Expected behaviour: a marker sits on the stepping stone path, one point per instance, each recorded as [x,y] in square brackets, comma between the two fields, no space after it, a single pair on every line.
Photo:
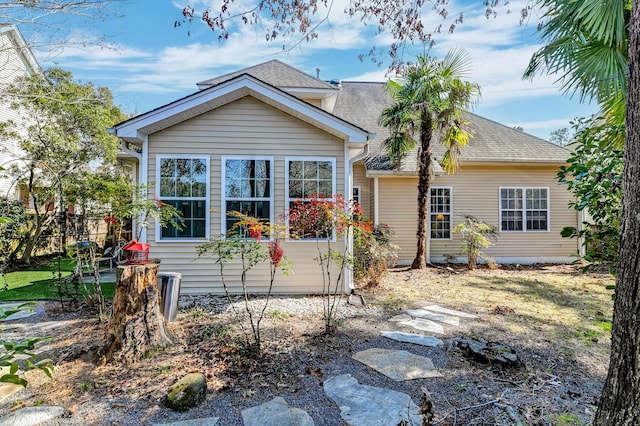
[362,405]
[418,339]
[403,365]
[398,365]
[276,413]
[31,416]
[424,325]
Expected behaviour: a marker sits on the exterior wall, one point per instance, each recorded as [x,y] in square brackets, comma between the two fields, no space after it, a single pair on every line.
[476,192]
[366,189]
[246,127]
[12,66]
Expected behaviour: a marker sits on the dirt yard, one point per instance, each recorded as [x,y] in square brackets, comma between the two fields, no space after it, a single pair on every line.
[557,320]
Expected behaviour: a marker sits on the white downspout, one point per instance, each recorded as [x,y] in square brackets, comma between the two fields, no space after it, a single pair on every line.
[348,185]
[376,205]
[144,177]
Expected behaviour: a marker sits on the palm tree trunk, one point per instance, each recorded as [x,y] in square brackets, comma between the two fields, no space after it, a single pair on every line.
[424,182]
[619,404]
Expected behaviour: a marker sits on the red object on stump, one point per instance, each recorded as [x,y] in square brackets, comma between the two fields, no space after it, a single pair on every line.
[137,253]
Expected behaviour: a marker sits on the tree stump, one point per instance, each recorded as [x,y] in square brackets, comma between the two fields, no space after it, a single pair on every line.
[137,326]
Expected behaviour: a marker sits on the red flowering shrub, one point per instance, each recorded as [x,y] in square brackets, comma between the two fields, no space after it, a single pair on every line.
[321,219]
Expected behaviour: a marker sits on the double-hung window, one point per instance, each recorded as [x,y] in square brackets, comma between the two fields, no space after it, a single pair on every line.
[248,189]
[440,213]
[524,209]
[183,183]
[308,178]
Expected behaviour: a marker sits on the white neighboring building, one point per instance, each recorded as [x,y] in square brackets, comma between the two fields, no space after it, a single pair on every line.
[16,60]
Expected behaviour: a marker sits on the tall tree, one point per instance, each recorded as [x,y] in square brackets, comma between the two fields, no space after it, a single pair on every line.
[429,98]
[55,24]
[61,130]
[595,46]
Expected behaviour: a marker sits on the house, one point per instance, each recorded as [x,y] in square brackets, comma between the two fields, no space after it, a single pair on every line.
[241,140]
[16,60]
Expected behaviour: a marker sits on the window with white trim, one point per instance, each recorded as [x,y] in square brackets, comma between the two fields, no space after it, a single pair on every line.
[183,183]
[307,178]
[248,188]
[524,209]
[356,194]
[440,213]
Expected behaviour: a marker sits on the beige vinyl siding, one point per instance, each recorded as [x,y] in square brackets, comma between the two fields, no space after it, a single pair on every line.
[398,208]
[366,189]
[476,192]
[246,127]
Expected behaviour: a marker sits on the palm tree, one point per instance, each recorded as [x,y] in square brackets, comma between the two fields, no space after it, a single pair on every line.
[429,98]
[587,46]
[594,45]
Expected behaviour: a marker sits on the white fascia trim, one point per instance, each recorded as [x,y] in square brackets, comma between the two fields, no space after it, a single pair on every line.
[22,48]
[223,180]
[132,127]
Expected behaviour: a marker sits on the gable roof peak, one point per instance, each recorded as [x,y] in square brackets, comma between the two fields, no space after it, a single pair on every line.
[276,73]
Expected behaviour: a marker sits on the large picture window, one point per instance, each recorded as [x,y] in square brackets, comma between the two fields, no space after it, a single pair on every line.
[248,189]
[524,209]
[183,182]
[308,178]
[440,213]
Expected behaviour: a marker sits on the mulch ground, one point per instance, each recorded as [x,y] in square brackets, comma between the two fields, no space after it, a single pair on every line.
[558,380]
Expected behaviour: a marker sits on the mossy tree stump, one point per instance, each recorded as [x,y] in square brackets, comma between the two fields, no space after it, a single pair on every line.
[137,326]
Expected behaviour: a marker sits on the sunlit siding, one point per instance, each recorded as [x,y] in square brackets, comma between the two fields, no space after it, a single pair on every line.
[251,128]
[12,66]
[366,186]
[398,209]
[476,192]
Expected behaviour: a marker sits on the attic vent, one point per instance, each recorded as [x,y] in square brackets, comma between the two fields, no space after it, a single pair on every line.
[336,83]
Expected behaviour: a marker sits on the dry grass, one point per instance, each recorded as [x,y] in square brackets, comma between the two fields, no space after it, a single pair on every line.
[568,309]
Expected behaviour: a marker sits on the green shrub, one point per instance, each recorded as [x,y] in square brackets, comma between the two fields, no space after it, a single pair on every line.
[373,251]
[476,235]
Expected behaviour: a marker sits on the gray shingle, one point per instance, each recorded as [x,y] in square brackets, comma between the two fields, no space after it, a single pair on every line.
[275,73]
[362,103]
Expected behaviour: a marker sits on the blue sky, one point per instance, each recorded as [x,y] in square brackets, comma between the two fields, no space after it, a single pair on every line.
[151,63]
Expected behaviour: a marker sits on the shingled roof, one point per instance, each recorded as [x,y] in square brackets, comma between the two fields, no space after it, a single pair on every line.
[275,73]
[362,103]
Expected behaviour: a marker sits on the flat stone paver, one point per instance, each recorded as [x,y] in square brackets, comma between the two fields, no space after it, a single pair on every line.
[418,339]
[424,325]
[400,318]
[363,405]
[398,365]
[440,309]
[209,421]
[276,413]
[31,416]
[434,316]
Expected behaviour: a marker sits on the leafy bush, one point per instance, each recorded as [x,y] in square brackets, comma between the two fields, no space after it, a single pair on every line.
[374,252]
[321,219]
[476,235]
[243,243]
[594,176]
[13,350]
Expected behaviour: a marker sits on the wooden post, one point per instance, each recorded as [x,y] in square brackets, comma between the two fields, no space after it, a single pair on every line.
[136,326]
